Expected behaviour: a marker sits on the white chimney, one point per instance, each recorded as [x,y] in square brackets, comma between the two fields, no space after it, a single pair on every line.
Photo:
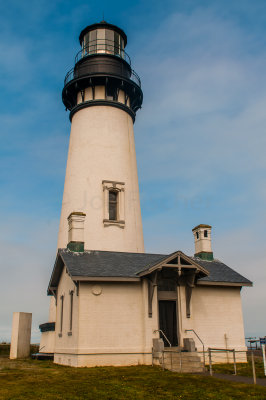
[76,231]
[203,243]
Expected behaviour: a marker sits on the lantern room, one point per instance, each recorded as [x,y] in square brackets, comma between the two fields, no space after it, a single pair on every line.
[103,38]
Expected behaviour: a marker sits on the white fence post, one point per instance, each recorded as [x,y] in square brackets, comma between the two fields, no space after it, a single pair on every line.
[264,357]
[210,360]
[253,368]
[234,356]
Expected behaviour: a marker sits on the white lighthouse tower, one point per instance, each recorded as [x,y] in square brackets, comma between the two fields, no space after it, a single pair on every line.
[103,94]
[101,206]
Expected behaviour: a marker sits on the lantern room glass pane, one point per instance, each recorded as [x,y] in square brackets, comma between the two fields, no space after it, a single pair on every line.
[109,41]
[100,40]
[91,46]
[116,43]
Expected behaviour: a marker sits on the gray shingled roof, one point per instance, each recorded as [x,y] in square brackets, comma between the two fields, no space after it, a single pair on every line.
[219,272]
[108,263]
[129,265]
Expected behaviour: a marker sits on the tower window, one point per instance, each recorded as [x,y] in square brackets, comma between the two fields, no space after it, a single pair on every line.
[205,233]
[197,235]
[113,203]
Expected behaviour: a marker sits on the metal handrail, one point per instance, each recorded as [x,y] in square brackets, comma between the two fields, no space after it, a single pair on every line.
[71,75]
[159,330]
[102,46]
[192,330]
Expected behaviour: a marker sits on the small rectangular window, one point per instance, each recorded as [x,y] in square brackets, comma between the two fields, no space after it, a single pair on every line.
[110,93]
[71,310]
[205,233]
[61,314]
[113,197]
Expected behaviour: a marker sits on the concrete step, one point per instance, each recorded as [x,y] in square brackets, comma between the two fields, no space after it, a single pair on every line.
[182,362]
[177,365]
[185,370]
[177,357]
[185,362]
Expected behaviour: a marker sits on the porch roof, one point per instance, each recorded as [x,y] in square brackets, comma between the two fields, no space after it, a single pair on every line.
[111,265]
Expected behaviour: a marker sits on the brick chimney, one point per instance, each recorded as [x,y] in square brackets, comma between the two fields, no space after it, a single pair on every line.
[76,231]
[203,244]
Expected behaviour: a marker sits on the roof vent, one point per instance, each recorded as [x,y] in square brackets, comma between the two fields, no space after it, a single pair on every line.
[203,243]
[76,231]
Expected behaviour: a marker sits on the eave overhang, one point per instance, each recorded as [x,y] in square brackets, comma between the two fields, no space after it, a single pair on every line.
[216,283]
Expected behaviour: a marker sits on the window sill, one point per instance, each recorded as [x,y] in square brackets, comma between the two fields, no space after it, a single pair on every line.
[109,222]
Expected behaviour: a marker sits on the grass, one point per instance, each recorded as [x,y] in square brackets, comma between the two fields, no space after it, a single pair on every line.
[32,379]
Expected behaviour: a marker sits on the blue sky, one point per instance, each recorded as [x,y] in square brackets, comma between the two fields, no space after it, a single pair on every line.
[200,136]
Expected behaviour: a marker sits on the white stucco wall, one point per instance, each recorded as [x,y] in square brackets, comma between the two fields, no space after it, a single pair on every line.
[67,343]
[114,327]
[216,311]
[101,148]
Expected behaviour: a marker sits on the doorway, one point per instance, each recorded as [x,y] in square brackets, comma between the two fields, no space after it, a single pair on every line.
[168,321]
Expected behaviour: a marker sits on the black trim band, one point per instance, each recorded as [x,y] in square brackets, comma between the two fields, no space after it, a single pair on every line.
[111,103]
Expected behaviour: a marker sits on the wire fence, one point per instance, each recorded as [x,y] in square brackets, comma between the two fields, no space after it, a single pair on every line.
[247,363]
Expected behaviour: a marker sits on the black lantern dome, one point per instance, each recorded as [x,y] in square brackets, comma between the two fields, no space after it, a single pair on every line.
[102,61]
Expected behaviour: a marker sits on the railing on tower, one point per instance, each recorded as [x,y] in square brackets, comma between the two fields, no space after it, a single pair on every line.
[71,75]
[102,46]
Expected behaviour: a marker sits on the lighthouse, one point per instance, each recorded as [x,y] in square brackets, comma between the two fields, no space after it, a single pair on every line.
[103,93]
[112,303]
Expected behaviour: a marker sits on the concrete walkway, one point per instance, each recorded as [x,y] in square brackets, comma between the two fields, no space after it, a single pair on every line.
[238,378]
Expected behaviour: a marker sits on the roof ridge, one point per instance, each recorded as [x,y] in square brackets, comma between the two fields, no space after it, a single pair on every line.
[113,251]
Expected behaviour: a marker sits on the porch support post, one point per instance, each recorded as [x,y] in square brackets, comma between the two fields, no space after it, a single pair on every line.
[190,280]
[152,282]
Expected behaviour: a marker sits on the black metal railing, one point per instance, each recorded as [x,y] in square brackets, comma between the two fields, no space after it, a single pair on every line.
[71,75]
[102,46]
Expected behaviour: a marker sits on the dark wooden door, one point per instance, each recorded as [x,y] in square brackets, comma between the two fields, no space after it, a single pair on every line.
[168,322]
